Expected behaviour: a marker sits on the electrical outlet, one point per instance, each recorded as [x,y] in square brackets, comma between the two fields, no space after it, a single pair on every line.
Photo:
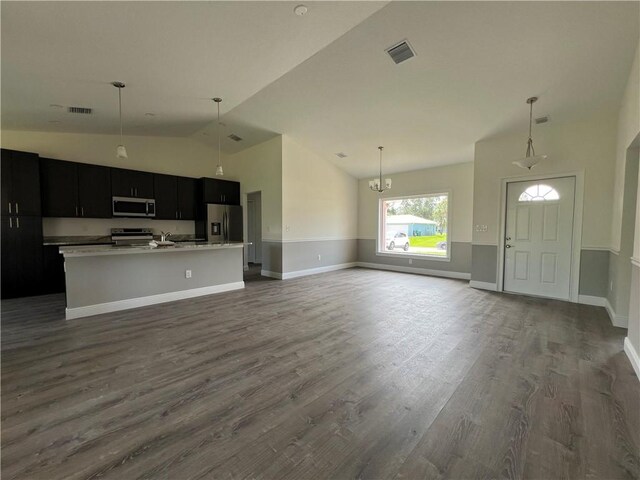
[288,228]
[187,274]
[319,258]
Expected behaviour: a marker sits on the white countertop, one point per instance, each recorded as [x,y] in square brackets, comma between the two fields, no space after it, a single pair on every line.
[96,250]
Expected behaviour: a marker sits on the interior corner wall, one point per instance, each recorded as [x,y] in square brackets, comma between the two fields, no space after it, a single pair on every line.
[586,146]
[319,212]
[171,155]
[259,169]
[456,179]
[628,140]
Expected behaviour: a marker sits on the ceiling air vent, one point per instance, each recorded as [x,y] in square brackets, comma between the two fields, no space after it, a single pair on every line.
[82,110]
[401,52]
[540,120]
[235,137]
[341,155]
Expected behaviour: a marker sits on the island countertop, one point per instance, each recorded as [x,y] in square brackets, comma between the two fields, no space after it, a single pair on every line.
[99,250]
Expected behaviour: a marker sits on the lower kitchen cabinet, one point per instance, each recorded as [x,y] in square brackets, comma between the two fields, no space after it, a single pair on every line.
[21,256]
[53,280]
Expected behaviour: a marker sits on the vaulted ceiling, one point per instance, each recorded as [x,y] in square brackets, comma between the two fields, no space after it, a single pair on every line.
[323,78]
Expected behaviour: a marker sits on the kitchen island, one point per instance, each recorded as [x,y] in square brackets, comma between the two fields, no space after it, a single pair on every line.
[107,278]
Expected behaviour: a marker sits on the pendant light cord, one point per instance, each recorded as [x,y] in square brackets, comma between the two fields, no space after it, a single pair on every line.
[380,180]
[218,103]
[530,149]
[120,110]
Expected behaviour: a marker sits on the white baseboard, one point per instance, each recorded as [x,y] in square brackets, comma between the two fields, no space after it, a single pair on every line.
[313,271]
[483,285]
[592,300]
[267,273]
[616,320]
[78,312]
[632,353]
[419,271]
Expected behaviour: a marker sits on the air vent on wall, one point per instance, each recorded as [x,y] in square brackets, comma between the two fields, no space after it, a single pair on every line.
[401,52]
[540,120]
[341,155]
[82,110]
[235,137]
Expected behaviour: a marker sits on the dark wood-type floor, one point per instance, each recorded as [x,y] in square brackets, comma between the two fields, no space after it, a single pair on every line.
[350,374]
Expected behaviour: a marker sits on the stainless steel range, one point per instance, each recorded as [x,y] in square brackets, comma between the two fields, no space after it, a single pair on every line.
[131,236]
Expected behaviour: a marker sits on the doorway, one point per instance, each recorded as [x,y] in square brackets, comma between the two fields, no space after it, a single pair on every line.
[254,228]
[539,237]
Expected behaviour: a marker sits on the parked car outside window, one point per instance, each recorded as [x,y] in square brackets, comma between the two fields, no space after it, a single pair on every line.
[397,240]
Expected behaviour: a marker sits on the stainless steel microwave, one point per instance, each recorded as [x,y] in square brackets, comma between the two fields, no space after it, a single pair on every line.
[134,207]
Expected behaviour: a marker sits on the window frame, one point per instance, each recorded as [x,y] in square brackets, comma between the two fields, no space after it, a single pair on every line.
[400,254]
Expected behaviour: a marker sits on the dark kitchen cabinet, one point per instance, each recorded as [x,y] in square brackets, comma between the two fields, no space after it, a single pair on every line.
[75,189]
[94,191]
[131,183]
[59,188]
[21,256]
[20,172]
[187,198]
[224,192]
[53,279]
[166,194]
[175,197]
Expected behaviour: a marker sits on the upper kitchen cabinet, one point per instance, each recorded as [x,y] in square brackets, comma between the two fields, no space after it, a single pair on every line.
[131,183]
[166,196]
[187,198]
[175,197]
[224,192]
[75,189]
[94,191]
[20,172]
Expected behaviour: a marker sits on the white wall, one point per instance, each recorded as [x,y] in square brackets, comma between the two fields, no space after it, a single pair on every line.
[171,155]
[587,146]
[628,128]
[458,179]
[259,169]
[319,200]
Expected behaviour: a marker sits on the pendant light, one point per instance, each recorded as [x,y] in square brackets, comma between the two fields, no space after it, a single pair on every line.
[121,151]
[376,184]
[530,159]
[219,171]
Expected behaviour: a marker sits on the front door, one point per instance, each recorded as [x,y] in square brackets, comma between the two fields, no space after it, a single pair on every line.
[539,236]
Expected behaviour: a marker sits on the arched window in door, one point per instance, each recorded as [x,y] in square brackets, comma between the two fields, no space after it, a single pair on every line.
[539,193]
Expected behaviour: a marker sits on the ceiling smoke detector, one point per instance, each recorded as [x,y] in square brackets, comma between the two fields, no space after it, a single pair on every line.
[341,155]
[401,52]
[300,10]
[235,137]
[540,120]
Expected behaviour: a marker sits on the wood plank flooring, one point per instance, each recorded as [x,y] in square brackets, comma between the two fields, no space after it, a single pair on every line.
[351,374]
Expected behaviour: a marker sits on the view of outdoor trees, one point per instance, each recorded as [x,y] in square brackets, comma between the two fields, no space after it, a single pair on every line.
[432,208]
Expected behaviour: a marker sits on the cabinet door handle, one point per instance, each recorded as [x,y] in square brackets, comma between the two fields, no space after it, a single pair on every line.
[10,222]
[176,214]
[17,222]
[136,191]
[131,191]
[17,210]
[82,211]
[180,215]
[9,207]
[76,210]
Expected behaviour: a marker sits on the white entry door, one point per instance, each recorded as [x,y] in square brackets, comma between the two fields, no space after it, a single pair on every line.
[539,237]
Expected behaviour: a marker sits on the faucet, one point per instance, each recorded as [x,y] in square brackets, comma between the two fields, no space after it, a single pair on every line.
[164,236]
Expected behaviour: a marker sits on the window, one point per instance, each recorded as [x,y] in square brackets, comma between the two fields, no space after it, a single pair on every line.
[539,193]
[415,226]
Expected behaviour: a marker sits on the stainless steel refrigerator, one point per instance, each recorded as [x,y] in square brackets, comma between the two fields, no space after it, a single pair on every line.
[224,223]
